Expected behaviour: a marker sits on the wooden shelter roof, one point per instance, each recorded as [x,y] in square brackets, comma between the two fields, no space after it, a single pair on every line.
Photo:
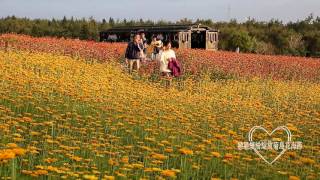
[158,28]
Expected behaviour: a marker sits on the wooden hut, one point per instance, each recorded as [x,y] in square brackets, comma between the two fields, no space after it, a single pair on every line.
[182,36]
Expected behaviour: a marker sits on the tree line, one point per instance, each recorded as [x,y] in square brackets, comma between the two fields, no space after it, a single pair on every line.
[300,38]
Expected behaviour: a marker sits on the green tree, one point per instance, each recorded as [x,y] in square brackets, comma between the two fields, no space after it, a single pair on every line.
[243,40]
[111,22]
[84,31]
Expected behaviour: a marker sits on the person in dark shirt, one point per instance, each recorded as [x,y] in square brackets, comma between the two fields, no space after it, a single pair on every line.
[133,53]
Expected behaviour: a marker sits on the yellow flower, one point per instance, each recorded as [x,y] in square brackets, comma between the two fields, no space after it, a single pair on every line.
[41,172]
[307,161]
[197,167]
[76,158]
[26,172]
[136,165]
[156,169]
[120,174]
[168,150]
[33,133]
[109,177]
[282,172]
[12,145]
[216,154]
[90,177]
[50,160]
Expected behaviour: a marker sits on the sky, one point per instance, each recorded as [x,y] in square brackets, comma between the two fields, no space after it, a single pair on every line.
[222,10]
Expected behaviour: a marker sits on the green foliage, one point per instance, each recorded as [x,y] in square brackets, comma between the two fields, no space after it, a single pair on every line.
[243,40]
[301,38]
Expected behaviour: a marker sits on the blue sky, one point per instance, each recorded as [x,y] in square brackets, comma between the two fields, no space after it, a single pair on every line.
[285,10]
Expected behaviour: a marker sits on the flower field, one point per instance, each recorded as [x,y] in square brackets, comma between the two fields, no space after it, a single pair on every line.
[64,117]
[219,65]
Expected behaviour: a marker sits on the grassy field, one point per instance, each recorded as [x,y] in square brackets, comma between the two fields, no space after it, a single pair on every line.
[62,117]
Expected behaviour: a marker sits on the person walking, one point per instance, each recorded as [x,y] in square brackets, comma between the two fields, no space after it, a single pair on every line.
[166,55]
[133,53]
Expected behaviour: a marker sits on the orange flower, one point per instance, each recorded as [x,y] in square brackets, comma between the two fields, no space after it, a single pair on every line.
[41,172]
[7,154]
[125,159]
[19,151]
[186,151]
[228,156]
[168,173]
[159,156]
[294,178]
[168,150]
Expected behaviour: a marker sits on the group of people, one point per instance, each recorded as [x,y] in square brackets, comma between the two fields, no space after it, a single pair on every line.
[136,53]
